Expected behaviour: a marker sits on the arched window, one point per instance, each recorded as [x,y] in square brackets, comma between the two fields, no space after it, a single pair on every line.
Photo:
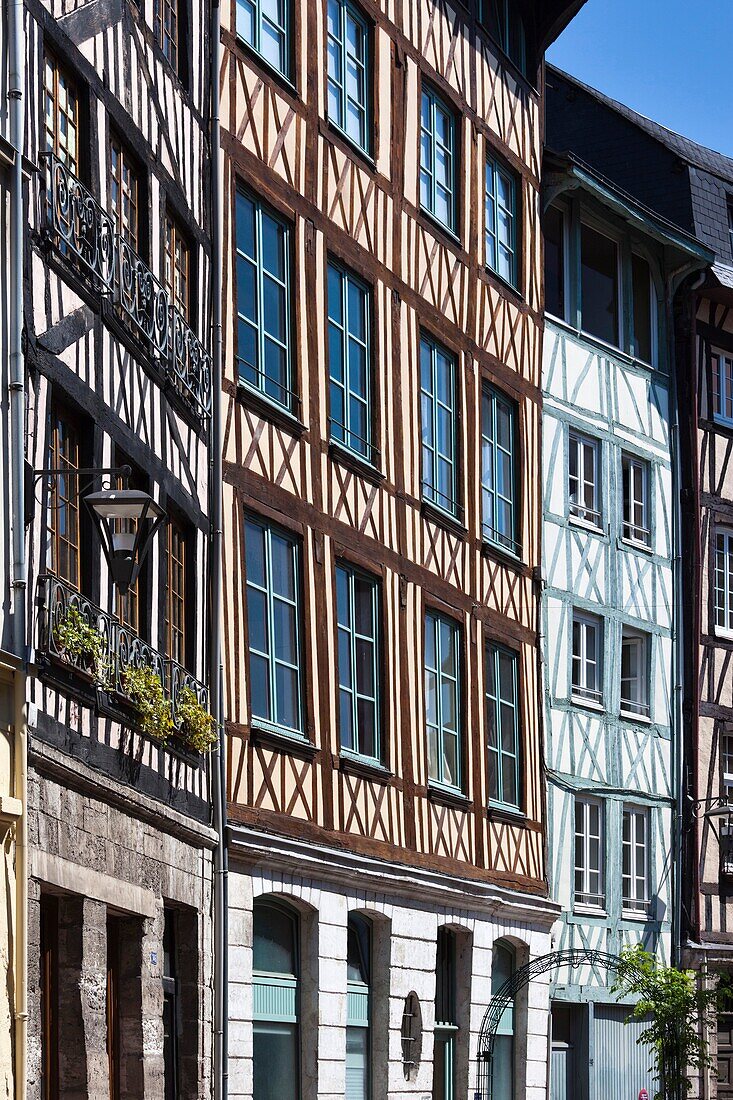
[276,1028]
[359,1008]
[446,1018]
[502,967]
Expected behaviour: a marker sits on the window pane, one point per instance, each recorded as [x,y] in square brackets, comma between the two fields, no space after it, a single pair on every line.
[357,1063]
[554,262]
[274,940]
[275,1056]
[642,294]
[599,285]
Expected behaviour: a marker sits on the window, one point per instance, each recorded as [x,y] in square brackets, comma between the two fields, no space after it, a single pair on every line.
[587,662]
[635,477]
[167,30]
[446,1018]
[178,267]
[635,673]
[599,291]
[438,159]
[357,607]
[502,709]
[61,113]
[175,592]
[276,1027]
[264,25]
[170,1008]
[348,71]
[722,387]
[589,855]
[726,766]
[49,1007]
[349,308]
[63,504]
[263,301]
[503,965]
[273,614]
[442,700]
[644,309]
[498,474]
[359,1008]
[635,860]
[724,580]
[438,401]
[554,234]
[584,478]
[127,606]
[501,222]
[730,225]
[124,190]
[504,24]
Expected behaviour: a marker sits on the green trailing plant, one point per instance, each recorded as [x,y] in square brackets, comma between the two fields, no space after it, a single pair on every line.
[197,728]
[81,642]
[679,1009]
[144,689]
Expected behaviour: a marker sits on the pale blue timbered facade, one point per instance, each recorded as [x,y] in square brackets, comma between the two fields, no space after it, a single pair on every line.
[609,537]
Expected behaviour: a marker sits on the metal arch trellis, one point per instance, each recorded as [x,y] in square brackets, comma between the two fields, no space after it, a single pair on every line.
[501,1000]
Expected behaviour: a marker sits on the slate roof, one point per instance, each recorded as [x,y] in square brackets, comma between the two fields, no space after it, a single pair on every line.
[686,183]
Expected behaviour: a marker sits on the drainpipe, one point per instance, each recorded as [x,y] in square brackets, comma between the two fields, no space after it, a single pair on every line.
[16,89]
[219,785]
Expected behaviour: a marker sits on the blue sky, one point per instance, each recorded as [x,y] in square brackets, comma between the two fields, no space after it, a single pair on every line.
[668,59]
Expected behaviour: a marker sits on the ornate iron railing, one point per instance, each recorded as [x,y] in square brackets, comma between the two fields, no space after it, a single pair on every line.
[84,235]
[121,647]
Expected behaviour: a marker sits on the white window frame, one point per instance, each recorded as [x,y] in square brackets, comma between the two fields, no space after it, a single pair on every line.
[588,830]
[635,838]
[579,443]
[724,385]
[639,534]
[639,642]
[723,581]
[583,691]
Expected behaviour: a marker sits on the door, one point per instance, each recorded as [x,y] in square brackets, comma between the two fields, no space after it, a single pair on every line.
[622,1067]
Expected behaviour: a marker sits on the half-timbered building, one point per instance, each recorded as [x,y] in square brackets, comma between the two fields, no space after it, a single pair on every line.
[116,396]
[382,406]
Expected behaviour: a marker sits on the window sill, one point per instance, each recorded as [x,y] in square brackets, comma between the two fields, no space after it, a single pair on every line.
[631,716]
[435,513]
[636,914]
[355,462]
[722,633]
[590,910]
[262,405]
[331,130]
[586,525]
[587,704]
[363,766]
[632,544]
[511,815]
[495,549]
[448,796]
[281,740]
[434,223]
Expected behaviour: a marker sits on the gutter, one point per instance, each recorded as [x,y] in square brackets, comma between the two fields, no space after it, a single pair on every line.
[219,780]
[16,401]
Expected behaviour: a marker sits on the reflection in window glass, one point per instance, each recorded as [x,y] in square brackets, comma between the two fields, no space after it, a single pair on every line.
[641,280]
[554,234]
[599,285]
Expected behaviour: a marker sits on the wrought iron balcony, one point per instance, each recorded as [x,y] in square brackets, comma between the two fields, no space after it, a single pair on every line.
[119,647]
[85,235]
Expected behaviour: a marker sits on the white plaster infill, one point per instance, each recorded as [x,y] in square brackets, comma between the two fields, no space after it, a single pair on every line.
[76,879]
[358,872]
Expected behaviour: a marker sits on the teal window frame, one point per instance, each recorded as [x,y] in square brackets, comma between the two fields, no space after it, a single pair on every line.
[438,392]
[438,177]
[358,643]
[497,706]
[276,997]
[346,347]
[359,1001]
[441,683]
[271,18]
[446,1017]
[502,222]
[348,71]
[499,488]
[272,601]
[264,302]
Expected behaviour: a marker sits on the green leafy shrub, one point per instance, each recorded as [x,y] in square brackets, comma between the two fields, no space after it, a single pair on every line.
[83,643]
[197,728]
[144,689]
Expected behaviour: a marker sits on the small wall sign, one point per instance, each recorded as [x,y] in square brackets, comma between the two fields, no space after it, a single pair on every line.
[643,1094]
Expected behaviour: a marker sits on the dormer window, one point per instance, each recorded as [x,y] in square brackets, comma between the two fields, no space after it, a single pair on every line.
[504,23]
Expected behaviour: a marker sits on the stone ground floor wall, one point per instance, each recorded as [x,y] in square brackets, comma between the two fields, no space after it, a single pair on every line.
[108,857]
[406,913]
[714,1082]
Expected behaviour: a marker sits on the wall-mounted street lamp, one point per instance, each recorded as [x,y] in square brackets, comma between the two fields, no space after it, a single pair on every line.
[126,521]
